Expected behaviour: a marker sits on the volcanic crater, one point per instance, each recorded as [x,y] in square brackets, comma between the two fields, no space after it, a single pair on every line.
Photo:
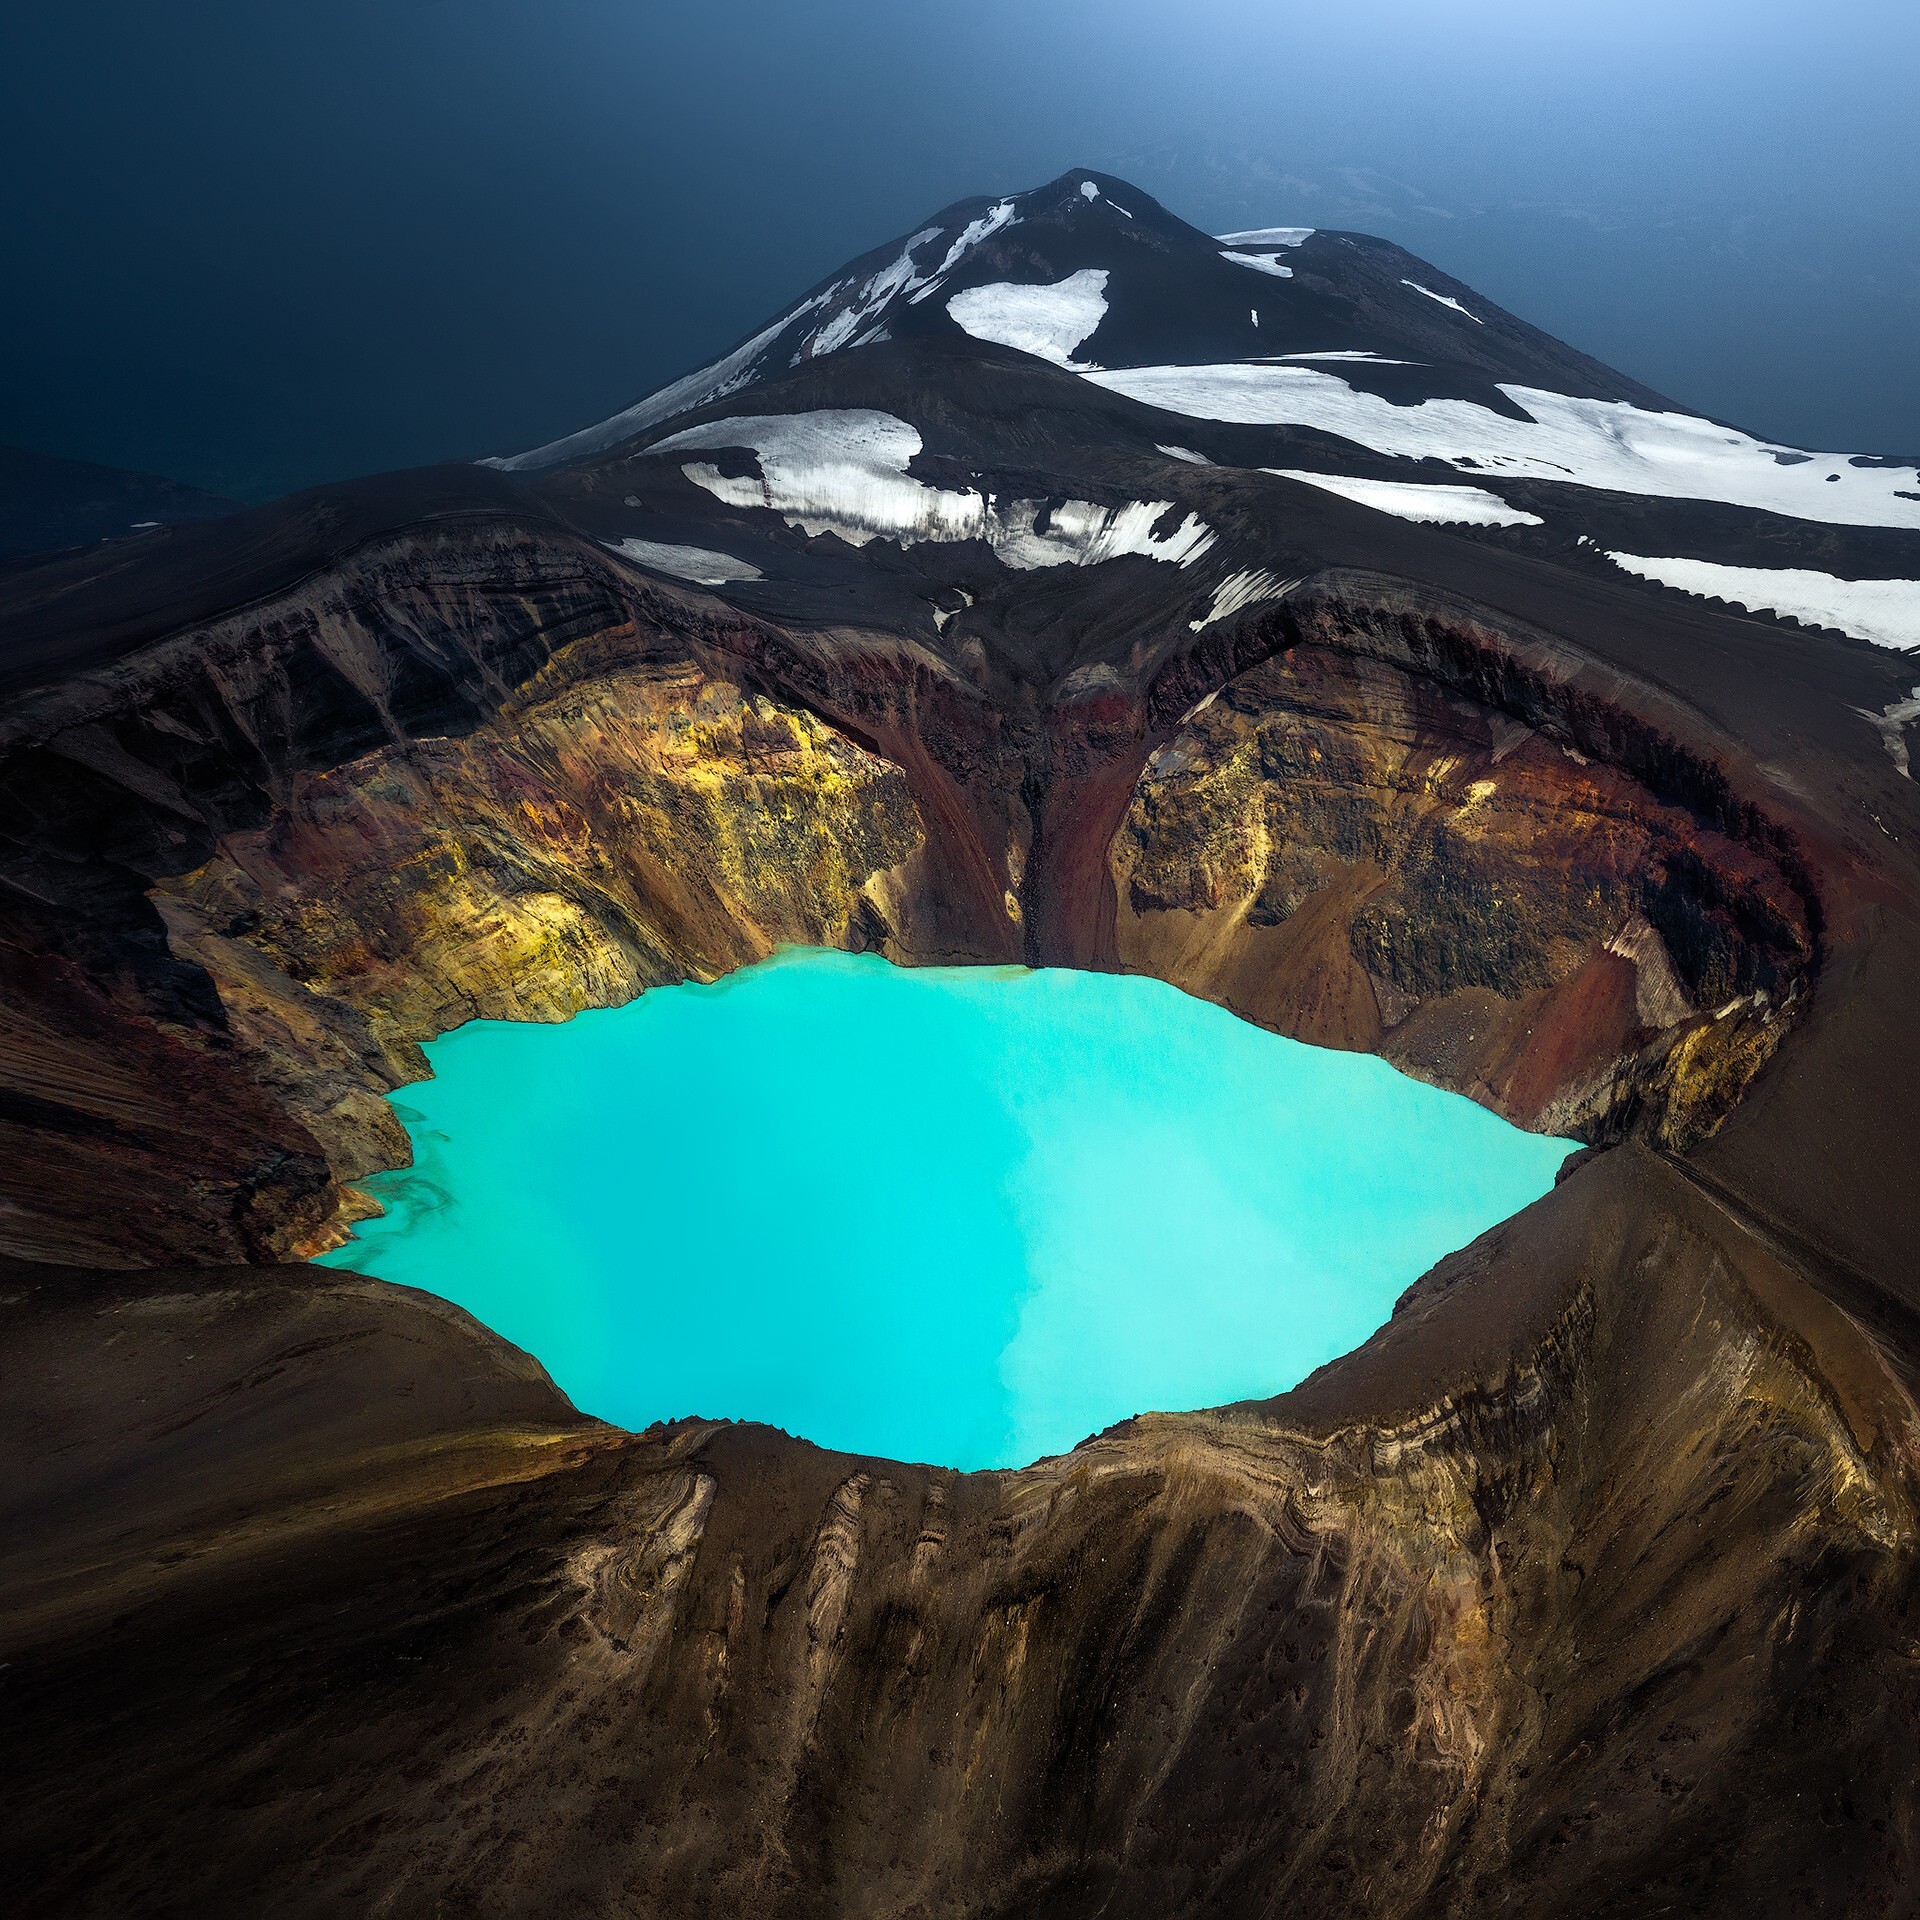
[1587,1584]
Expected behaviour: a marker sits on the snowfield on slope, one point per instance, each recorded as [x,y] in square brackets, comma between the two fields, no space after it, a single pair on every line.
[1047,321]
[1887,612]
[1409,500]
[1445,299]
[1266,237]
[1259,262]
[1609,444]
[861,316]
[1244,589]
[844,471]
[726,375]
[701,565]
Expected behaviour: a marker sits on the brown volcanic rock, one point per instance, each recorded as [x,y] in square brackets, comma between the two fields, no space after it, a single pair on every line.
[1341,849]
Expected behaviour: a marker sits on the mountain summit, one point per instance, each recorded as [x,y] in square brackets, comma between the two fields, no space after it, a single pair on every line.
[1040,375]
[1089,271]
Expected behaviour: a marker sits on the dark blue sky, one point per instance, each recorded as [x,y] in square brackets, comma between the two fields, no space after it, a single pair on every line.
[261,243]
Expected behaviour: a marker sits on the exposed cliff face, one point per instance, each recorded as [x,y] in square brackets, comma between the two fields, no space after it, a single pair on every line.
[254,870]
[608,831]
[1353,853]
[1336,844]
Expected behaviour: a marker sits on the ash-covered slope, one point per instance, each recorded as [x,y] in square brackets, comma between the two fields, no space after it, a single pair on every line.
[1091,270]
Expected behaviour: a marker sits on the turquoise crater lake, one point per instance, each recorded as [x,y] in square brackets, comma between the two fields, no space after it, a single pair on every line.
[963,1215]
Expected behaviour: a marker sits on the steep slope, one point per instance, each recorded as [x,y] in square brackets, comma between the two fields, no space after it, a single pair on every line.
[1336,361]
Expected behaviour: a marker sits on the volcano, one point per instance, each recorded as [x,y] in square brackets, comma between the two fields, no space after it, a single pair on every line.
[1266,612]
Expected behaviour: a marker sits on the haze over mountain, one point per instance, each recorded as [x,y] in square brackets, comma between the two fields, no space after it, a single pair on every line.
[47,503]
[257,248]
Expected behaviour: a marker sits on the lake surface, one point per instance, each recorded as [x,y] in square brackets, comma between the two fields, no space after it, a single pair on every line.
[963,1215]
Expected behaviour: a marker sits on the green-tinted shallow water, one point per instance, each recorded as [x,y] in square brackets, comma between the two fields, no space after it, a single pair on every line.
[960,1215]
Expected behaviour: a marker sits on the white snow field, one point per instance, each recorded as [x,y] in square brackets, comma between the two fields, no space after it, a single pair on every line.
[901,276]
[1259,262]
[1048,321]
[1243,589]
[1000,214]
[1360,354]
[701,565]
[1587,443]
[1445,299]
[1409,500]
[1089,190]
[1266,237]
[1887,612]
[844,471]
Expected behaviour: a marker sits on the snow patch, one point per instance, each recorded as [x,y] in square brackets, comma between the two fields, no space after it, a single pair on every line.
[1001,214]
[1891,724]
[1266,237]
[1187,454]
[1410,500]
[1048,322]
[1887,612]
[901,276]
[1445,299]
[1260,263]
[699,564]
[1081,534]
[1088,191]
[1239,590]
[1588,443]
[844,471]
[1352,354]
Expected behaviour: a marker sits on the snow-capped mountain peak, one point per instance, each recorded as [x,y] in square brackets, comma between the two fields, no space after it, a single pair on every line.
[1090,270]
[1329,363]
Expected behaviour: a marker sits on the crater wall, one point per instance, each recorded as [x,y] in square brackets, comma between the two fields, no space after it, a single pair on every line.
[254,867]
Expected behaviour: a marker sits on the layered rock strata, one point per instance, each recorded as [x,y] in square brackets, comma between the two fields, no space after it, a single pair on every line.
[1346,849]
[261,863]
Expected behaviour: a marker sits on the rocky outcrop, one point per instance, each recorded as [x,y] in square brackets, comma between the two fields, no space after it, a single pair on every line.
[1346,850]
[609,830]
[254,868]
